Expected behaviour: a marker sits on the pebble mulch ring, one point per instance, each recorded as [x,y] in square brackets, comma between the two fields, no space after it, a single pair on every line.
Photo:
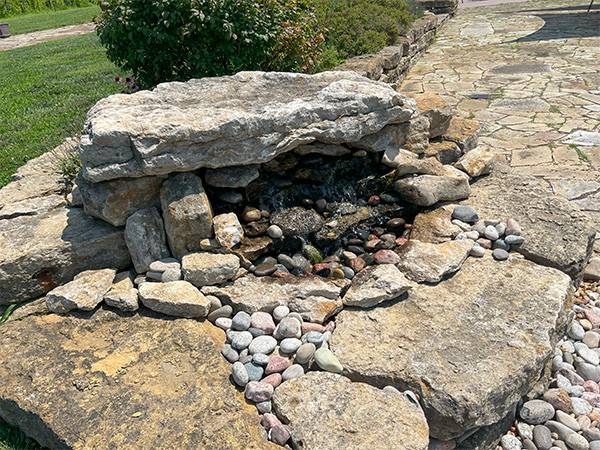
[567,416]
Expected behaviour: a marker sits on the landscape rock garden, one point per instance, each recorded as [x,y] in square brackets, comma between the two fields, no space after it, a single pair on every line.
[342,257]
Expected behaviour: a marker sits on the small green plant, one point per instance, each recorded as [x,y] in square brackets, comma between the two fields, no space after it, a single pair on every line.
[573,145]
[582,155]
[471,116]
[70,166]
[554,109]
[7,313]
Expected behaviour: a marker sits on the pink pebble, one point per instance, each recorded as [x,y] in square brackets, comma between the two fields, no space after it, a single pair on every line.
[262,321]
[485,243]
[280,434]
[386,257]
[276,364]
[584,422]
[591,398]
[258,392]
[274,379]
[330,326]
[401,241]
[591,386]
[592,317]
[269,421]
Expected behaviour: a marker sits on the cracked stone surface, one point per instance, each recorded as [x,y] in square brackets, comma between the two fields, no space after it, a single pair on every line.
[528,73]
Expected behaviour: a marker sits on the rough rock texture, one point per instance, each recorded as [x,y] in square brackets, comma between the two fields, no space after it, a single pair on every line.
[187,213]
[476,162]
[435,108]
[185,126]
[228,230]
[556,233]
[426,190]
[175,298]
[114,201]
[40,252]
[205,269]
[463,132]
[145,238]
[435,225]
[425,262]
[122,294]
[376,284]
[231,177]
[406,162]
[327,411]
[445,152]
[315,299]
[94,381]
[85,292]
[491,354]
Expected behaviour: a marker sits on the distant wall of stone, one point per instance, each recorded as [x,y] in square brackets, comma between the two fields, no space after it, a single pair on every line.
[391,64]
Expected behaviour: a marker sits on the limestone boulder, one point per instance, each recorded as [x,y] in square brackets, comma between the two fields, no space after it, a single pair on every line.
[187,213]
[556,233]
[114,201]
[434,225]
[406,162]
[412,135]
[429,263]
[476,162]
[181,127]
[174,298]
[145,238]
[498,323]
[207,269]
[85,292]
[435,108]
[376,284]
[426,190]
[231,177]
[322,149]
[36,206]
[313,298]
[328,411]
[445,152]
[122,294]
[97,381]
[463,132]
[42,251]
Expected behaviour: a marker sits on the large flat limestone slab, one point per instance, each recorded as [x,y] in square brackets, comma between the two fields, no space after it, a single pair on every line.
[327,411]
[99,381]
[470,346]
[244,119]
[557,234]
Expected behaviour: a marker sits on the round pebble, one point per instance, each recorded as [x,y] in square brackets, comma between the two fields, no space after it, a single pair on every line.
[478,251]
[290,345]
[577,442]
[514,240]
[576,331]
[286,261]
[288,327]
[223,322]
[491,233]
[264,270]
[509,442]
[229,353]
[241,321]
[259,392]
[263,321]
[256,332]
[386,257]
[242,340]
[465,214]
[305,352]
[262,344]
[501,229]
[239,374]
[327,360]
[501,244]
[280,312]
[224,311]
[349,273]
[255,372]
[313,337]
[260,358]
[294,371]
[264,407]
[536,412]
[277,364]
[280,434]
[396,224]
[274,232]
[542,437]
[274,379]
[500,255]
[338,274]
[525,431]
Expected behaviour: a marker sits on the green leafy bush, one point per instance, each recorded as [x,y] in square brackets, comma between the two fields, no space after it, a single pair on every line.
[175,40]
[357,27]
[17,7]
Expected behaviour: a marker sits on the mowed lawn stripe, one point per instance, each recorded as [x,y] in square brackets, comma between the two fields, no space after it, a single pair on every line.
[51,19]
[46,91]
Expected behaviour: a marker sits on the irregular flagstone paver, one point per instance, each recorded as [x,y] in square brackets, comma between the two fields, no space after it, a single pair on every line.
[491,352]
[93,381]
[327,411]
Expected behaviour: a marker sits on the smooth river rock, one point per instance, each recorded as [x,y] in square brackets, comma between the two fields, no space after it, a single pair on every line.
[556,233]
[98,381]
[313,298]
[248,118]
[466,345]
[327,411]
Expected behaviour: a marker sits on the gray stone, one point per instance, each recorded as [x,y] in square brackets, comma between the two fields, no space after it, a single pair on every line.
[377,420]
[476,356]
[85,292]
[241,321]
[376,284]
[297,221]
[294,371]
[576,331]
[186,212]
[115,200]
[592,270]
[291,108]
[425,262]
[465,214]
[514,240]
[262,344]
[542,437]
[327,360]
[313,298]
[223,311]
[406,162]
[42,251]
[426,190]
[206,269]
[561,430]
[260,358]
[580,137]
[565,244]
[588,371]
[239,374]
[509,442]
[290,345]
[533,104]
[537,412]
[177,298]
[241,340]
[255,372]
[322,149]
[122,294]
[500,254]
[305,353]
[524,431]
[229,353]
[231,177]
[276,233]
[145,238]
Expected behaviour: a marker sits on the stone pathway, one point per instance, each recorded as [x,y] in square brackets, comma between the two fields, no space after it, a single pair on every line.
[27,39]
[529,73]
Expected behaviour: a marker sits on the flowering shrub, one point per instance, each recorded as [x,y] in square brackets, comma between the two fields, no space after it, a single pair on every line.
[129,85]
[175,40]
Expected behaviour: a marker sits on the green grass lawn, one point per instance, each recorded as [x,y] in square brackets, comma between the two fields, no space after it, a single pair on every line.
[49,20]
[45,92]
[12,439]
